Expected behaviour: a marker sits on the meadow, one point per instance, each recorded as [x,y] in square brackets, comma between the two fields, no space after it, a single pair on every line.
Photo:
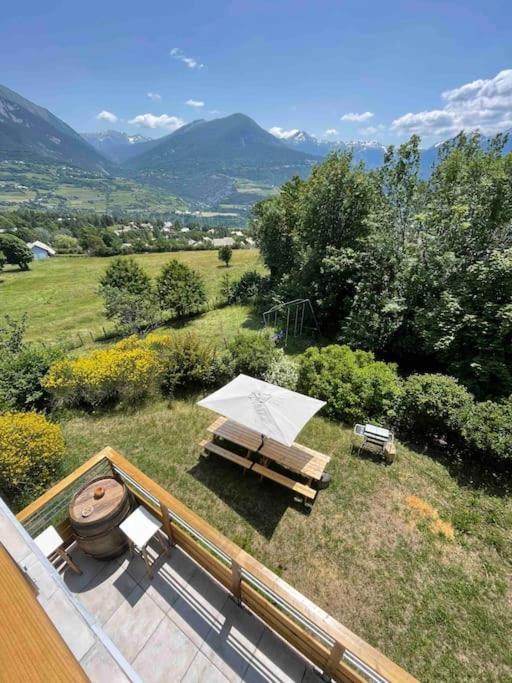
[61,299]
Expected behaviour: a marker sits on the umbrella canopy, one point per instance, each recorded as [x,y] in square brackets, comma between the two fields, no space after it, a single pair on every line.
[265,408]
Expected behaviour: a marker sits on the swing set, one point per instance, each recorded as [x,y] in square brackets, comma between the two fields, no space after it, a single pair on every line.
[293,316]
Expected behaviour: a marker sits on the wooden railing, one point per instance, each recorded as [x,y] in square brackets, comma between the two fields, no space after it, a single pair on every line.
[332,647]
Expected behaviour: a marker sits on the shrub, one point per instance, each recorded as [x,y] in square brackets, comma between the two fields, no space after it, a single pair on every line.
[225,254]
[434,406]
[132,312]
[22,367]
[488,430]
[187,361]
[15,251]
[355,386]
[250,353]
[248,288]
[283,371]
[31,449]
[21,376]
[65,244]
[115,374]
[180,289]
[126,274]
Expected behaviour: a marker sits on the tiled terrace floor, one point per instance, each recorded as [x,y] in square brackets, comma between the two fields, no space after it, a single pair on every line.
[182,625]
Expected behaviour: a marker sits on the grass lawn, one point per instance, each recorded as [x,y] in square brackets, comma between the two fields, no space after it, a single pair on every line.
[61,297]
[415,557]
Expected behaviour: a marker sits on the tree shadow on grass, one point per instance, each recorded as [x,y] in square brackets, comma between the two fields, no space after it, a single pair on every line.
[491,478]
[261,504]
[254,320]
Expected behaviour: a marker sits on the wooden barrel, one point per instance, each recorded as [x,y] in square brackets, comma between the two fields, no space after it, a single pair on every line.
[95,513]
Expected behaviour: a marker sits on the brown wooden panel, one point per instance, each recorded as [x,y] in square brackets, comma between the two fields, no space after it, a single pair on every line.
[31,649]
[284,481]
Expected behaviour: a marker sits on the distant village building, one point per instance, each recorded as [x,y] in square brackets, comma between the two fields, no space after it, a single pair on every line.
[185,230]
[223,242]
[40,250]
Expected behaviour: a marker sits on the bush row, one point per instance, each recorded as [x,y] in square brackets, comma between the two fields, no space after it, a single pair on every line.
[355,386]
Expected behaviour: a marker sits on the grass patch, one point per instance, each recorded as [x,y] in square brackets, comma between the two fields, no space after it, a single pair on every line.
[60,295]
[440,607]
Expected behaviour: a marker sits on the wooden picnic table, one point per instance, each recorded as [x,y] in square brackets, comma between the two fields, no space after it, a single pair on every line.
[304,461]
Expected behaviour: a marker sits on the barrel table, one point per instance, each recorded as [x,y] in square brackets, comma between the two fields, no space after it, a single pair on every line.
[95,513]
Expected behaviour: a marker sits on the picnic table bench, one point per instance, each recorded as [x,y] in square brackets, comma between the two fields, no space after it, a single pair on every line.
[299,459]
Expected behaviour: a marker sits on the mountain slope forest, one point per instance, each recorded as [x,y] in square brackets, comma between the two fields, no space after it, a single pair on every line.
[417,271]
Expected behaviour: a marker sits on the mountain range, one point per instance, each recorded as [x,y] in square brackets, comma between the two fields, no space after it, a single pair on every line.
[30,133]
[226,163]
[116,146]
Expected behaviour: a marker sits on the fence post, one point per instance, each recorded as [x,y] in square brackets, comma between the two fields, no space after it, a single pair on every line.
[236,581]
[167,524]
[333,660]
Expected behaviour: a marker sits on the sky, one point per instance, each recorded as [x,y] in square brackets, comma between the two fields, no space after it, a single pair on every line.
[340,69]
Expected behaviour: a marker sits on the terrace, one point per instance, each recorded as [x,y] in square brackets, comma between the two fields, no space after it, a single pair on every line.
[211,612]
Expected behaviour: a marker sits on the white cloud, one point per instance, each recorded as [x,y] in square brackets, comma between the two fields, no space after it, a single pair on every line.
[164,121]
[191,62]
[371,130]
[283,134]
[195,103]
[485,104]
[214,111]
[106,116]
[331,132]
[352,116]
[156,97]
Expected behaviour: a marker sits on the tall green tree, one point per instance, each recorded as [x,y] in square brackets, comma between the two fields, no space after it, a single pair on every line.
[180,290]
[15,251]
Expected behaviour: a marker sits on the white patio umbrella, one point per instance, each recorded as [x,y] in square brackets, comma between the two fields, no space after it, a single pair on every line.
[265,408]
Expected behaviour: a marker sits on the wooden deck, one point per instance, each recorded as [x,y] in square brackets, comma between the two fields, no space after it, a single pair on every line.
[302,623]
[296,458]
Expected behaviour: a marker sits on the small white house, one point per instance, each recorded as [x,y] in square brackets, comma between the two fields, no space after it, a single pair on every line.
[40,250]
[223,242]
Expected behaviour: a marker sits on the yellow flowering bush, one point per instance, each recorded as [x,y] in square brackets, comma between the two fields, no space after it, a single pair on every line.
[31,449]
[125,372]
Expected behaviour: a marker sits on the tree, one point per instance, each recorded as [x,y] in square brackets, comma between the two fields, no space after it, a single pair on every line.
[15,251]
[180,289]
[126,274]
[225,254]
[3,260]
[65,244]
[133,312]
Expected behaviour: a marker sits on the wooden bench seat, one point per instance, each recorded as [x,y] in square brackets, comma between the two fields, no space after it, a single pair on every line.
[296,486]
[224,453]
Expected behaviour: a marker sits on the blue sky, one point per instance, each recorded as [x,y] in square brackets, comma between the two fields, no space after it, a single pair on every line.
[288,64]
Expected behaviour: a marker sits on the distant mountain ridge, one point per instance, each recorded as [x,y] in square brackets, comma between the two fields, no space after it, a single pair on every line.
[371,151]
[228,162]
[202,159]
[117,146]
[30,133]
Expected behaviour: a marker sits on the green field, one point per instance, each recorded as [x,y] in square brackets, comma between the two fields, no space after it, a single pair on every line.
[55,187]
[61,299]
[438,606]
